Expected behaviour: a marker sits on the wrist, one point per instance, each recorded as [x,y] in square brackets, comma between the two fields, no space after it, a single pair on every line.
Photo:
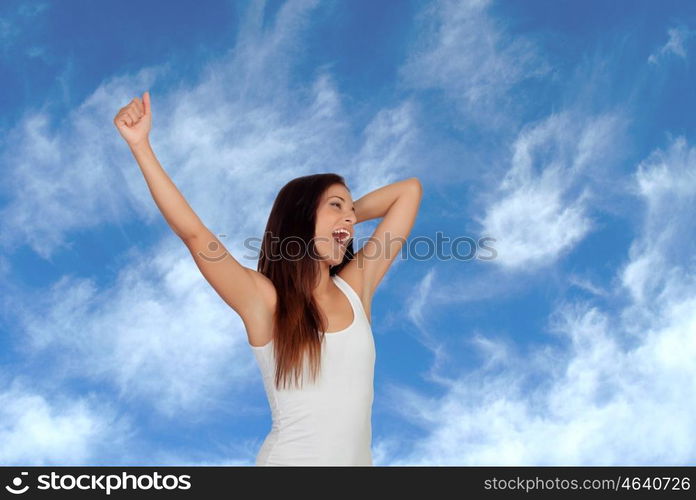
[140,145]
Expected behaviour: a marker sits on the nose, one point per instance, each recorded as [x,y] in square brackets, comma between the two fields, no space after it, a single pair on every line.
[351,217]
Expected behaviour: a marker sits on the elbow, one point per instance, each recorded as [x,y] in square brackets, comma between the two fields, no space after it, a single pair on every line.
[416,183]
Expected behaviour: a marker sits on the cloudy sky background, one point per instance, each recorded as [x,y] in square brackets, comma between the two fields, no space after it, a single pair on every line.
[562,131]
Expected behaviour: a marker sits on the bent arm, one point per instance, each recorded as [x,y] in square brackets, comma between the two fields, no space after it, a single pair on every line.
[398,203]
[377,203]
[174,207]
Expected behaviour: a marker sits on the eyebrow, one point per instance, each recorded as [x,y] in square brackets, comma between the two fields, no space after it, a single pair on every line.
[336,196]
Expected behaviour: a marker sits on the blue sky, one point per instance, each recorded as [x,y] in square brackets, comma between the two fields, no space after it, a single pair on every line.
[562,130]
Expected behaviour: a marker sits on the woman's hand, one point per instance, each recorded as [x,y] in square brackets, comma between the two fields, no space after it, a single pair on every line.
[134,120]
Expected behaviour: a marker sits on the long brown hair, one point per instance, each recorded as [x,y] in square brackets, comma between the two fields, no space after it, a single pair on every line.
[290,232]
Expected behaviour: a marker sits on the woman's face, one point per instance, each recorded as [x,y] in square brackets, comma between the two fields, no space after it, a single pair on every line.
[335,212]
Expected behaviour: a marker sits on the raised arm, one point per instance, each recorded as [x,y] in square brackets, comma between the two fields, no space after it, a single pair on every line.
[398,204]
[239,286]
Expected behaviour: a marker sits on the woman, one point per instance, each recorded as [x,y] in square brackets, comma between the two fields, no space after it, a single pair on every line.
[306,308]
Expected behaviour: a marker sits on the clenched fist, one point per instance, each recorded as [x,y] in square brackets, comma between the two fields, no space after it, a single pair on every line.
[134,120]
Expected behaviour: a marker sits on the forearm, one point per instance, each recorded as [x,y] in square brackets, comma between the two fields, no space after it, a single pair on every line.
[174,207]
[376,203]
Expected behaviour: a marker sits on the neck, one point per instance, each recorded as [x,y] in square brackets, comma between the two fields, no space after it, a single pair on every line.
[325,284]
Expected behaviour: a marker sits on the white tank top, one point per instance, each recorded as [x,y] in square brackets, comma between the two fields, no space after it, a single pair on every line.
[327,422]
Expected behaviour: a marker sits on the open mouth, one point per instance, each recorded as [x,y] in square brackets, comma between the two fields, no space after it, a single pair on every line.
[341,236]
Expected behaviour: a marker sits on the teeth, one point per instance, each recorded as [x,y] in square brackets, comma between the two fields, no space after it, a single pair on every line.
[345,234]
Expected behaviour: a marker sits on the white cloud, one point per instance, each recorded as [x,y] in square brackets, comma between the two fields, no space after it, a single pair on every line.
[675,44]
[540,209]
[385,153]
[617,391]
[416,312]
[469,56]
[666,181]
[586,284]
[36,429]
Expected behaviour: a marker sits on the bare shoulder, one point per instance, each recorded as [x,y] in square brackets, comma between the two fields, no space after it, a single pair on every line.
[352,274]
[259,320]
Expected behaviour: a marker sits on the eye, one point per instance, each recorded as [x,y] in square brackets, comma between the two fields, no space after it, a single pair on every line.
[336,204]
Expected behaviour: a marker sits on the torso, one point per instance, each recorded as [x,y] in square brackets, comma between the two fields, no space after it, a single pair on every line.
[329,420]
[338,311]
